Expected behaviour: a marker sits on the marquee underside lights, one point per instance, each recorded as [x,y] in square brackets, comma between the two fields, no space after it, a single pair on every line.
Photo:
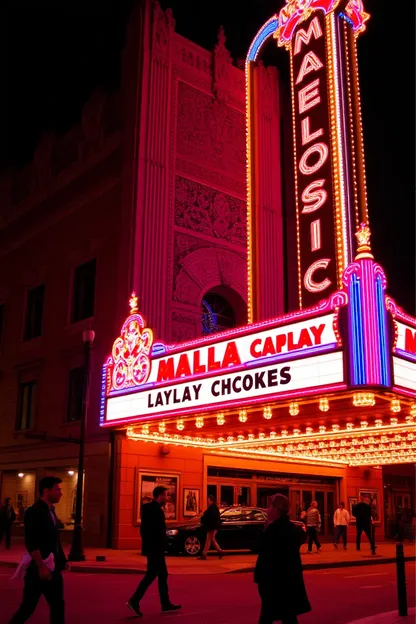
[360,443]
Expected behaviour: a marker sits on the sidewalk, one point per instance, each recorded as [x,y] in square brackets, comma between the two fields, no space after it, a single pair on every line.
[391,617]
[131,562]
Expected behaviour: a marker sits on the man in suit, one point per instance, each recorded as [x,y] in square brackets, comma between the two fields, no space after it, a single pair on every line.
[7,517]
[42,540]
[153,533]
[364,522]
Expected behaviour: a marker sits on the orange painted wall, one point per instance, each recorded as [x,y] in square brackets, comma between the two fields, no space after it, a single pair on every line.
[137,457]
[190,464]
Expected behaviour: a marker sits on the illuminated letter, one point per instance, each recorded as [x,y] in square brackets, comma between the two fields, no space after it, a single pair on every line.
[231,356]
[315,198]
[310,284]
[256,343]
[183,370]
[317,333]
[198,367]
[212,364]
[322,150]
[307,137]
[308,96]
[165,371]
[410,340]
[304,37]
[310,63]
[316,235]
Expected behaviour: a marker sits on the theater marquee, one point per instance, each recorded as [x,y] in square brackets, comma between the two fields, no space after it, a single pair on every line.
[294,354]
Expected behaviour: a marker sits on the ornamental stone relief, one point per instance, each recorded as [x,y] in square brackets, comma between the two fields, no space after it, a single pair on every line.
[202,209]
[210,132]
[200,266]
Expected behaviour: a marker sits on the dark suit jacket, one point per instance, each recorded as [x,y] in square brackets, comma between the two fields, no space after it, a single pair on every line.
[362,513]
[211,519]
[153,529]
[278,571]
[42,534]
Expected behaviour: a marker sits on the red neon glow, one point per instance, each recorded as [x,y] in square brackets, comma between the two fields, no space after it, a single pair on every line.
[297,11]
[310,284]
[315,195]
[356,13]
[130,364]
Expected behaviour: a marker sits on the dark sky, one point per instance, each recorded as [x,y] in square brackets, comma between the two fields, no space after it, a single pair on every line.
[54,54]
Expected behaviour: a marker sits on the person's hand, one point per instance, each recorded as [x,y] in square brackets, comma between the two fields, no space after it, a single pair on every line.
[44,573]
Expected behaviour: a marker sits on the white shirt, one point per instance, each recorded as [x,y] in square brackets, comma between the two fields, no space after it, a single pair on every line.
[341,517]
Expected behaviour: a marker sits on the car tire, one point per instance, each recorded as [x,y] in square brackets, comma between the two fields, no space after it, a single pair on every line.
[192,546]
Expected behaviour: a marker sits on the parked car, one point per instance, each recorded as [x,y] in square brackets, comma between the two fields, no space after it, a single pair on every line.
[241,529]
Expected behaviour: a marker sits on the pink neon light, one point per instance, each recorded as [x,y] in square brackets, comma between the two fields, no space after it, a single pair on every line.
[369,312]
[289,24]
[410,393]
[327,305]
[398,312]
[228,404]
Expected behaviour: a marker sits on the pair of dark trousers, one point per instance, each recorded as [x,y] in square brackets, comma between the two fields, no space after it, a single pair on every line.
[368,530]
[53,591]
[313,538]
[266,613]
[6,531]
[156,567]
[341,531]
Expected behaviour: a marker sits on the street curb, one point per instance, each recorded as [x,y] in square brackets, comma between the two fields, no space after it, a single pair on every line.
[337,564]
[306,566]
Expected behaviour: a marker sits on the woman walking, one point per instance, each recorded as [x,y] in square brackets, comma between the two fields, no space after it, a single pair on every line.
[211,521]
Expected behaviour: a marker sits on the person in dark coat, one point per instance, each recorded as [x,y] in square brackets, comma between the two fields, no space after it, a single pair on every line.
[364,522]
[278,571]
[42,540]
[153,533]
[211,521]
[7,517]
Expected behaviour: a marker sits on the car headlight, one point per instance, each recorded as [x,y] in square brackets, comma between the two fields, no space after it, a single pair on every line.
[172,532]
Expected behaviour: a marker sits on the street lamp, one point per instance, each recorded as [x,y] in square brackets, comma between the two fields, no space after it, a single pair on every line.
[77,552]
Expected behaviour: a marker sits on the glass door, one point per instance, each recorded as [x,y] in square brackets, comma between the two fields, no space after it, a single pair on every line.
[226,496]
[264,495]
[320,499]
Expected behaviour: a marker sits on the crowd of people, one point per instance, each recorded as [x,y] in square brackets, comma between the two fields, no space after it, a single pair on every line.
[278,571]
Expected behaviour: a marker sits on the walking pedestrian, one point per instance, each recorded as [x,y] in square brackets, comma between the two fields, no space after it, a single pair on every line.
[406,522]
[153,533]
[211,521]
[46,559]
[7,517]
[278,572]
[313,524]
[341,522]
[364,521]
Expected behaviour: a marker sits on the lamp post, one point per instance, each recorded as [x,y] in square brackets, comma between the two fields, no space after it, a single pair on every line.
[77,552]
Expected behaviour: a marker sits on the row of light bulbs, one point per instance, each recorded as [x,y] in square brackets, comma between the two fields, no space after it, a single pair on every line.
[364,424]
[360,399]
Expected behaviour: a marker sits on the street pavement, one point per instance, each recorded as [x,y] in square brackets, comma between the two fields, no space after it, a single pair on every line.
[132,562]
[338,596]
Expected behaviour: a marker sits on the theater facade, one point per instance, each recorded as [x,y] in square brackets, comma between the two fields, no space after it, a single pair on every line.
[313,403]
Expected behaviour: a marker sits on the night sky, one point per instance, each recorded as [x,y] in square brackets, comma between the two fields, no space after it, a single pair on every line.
[54,54]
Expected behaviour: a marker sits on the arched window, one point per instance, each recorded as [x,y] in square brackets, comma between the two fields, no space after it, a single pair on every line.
[217,314]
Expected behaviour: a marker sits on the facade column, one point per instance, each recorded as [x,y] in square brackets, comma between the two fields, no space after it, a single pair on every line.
[152,224]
